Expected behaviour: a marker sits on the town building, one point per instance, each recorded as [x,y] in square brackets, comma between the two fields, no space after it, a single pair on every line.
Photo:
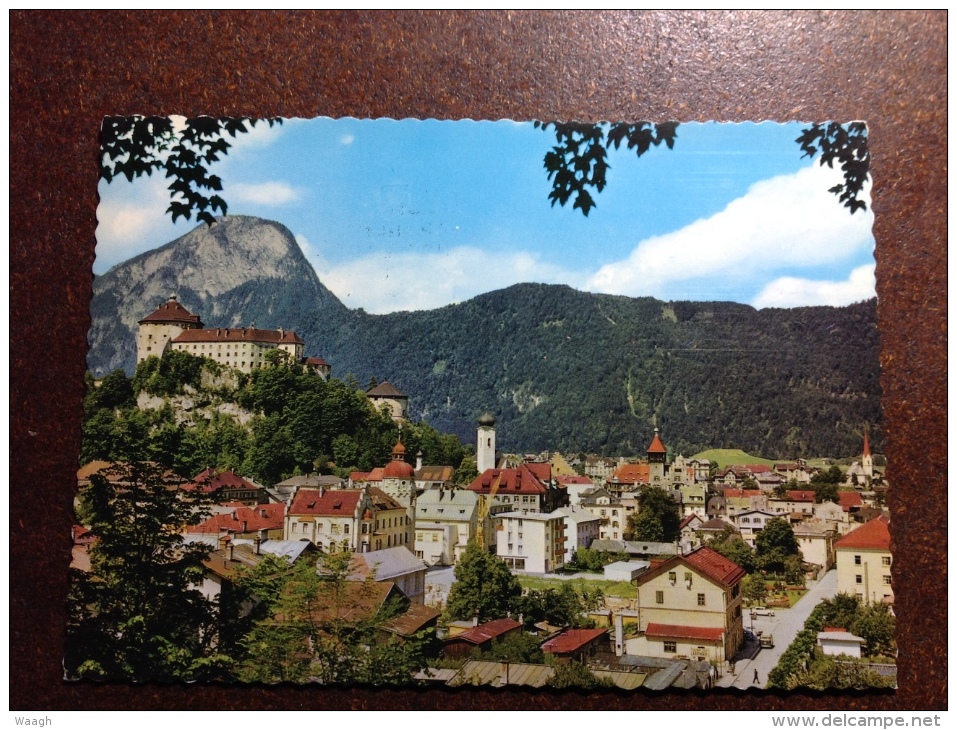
[398,478]
[864,562]
[690,606]
[533,542]
[485,458]
[609,511]
[520,489]
[581,528]
[396,565]
[228,487]
[360,520]
[445,521]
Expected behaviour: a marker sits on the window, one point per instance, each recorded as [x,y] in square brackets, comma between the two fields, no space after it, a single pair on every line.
[701,599]
[659,596]
[435,537]
[887,580]
[858,579]
[671,647]
[857,560]
[673,576]
[886,560]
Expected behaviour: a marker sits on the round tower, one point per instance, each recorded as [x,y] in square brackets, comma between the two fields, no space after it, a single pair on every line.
[485,447]
[158,329]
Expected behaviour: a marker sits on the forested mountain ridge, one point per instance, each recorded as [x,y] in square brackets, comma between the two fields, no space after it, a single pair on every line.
[560,369]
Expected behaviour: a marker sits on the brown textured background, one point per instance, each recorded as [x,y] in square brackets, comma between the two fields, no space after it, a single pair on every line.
[67,70]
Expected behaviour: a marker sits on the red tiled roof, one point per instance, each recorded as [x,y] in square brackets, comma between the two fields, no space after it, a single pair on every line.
[673,631]
[385,390]
[874,535]
[316,361]
[801,495]
[329,502]
[489,630]
[657,446]
[714,564]
[693,516]
[633,473]
[244,334]
[541,469]
[572,640]
[573,479]
[209,480]
[731,492]
[847,500]
[171,311]
[243,519]
[511,481]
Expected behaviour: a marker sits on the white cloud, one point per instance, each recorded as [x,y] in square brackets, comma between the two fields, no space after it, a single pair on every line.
[412,281]
[132,218]
[267,193]
[789,291]
[785,221]
[347,139]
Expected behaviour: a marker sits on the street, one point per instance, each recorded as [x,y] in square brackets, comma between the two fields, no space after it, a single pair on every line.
[784,626]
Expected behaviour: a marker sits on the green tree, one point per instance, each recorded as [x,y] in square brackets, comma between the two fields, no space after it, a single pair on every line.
[519,648]
[137,614]
[483,587]
[754,589]
[316,625]
[467,471]
[875,624]
[575,675]
[658,517]
[774,544]
[729,543]
[114,391]
[563,607]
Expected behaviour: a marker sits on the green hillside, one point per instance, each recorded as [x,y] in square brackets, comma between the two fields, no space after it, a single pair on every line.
[727,457]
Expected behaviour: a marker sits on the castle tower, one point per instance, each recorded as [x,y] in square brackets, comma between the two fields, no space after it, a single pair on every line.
[656,460]
[485,448]
[158,329]
[867,460]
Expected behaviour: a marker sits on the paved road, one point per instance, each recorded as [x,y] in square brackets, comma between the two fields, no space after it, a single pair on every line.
[784,626]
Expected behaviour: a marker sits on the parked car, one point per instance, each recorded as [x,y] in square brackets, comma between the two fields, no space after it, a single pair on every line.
[761,611]
[767,641]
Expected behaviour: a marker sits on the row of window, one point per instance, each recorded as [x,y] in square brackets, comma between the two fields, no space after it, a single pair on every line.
[885,560]
[886,579]
[660,598]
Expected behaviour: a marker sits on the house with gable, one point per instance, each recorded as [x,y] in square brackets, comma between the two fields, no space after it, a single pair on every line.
[360,520]
[396,565]
[522,489]
[690,606]
[387,395]
[610,512]
[228,487]
[864,562]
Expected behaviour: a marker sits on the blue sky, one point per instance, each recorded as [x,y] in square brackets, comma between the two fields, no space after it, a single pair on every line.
[404,215]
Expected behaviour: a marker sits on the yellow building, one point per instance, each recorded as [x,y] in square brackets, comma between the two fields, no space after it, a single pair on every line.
[173,327]
[690,606]
[864,562]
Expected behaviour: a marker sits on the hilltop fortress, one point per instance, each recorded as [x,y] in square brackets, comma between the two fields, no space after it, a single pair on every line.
[173,327]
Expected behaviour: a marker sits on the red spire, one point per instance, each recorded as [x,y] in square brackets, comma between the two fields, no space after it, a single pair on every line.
[657,446]
[867,445]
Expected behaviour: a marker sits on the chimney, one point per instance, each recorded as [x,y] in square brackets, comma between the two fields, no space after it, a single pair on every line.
[322,491]
[230,551]
[619,635]
[257,542]
[418,461]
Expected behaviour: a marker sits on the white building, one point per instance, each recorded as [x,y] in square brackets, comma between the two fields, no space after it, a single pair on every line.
[581,527]
[532,542]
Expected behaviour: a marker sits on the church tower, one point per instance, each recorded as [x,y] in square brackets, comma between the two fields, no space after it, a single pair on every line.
[485,448]
[867,460]
[656,460]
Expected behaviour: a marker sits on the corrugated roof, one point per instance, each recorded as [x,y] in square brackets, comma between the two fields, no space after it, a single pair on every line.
[386,564]
[875,535]
[674,631]
[413,620]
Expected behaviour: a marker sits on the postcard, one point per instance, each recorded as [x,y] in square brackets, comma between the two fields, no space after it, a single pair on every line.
[541,404]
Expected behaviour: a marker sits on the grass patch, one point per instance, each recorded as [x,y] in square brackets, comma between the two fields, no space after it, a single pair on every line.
[616,588]
[727,457]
